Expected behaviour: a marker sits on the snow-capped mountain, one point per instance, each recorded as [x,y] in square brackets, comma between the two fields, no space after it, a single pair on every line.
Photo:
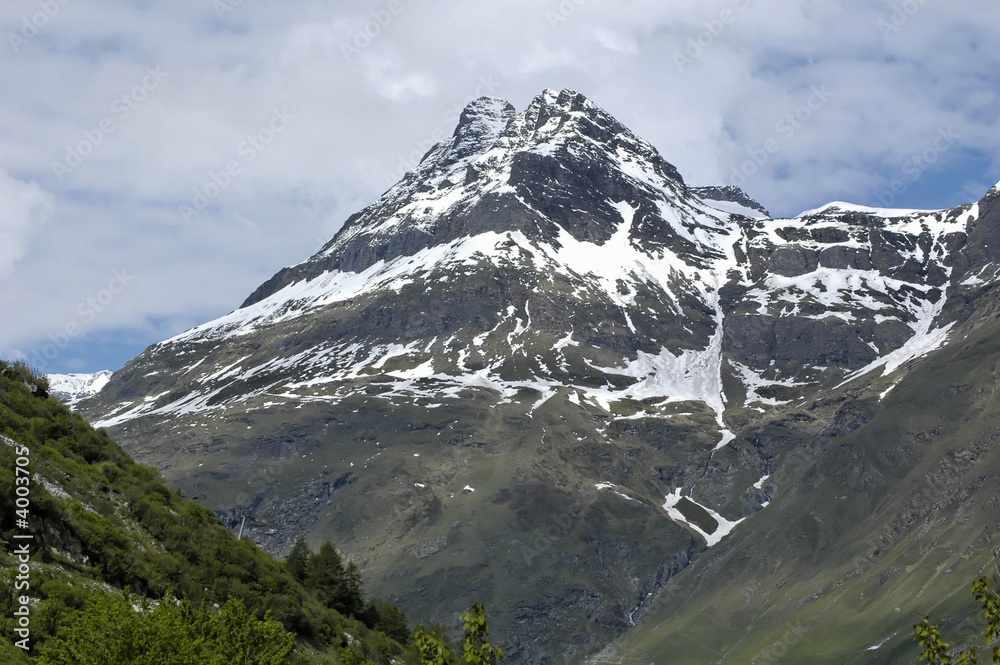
[563,198]
[71,388]
[541,352]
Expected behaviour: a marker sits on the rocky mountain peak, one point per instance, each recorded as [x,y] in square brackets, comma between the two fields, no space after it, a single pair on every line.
[549,105]
[479,126]
[542,325]
[559,164]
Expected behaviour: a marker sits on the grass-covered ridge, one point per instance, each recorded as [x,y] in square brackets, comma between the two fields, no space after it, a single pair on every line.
[867,527]
[101,523]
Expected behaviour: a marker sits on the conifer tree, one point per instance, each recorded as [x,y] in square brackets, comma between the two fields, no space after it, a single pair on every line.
[297,561]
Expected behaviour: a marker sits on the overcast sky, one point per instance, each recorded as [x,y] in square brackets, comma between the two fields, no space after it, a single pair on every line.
[159,160]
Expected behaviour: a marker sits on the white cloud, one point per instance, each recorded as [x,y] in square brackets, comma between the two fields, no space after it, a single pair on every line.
[359,119]
[615,42]
[24,206]
[389,78]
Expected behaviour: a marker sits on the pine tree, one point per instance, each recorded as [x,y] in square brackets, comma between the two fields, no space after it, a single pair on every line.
[335,585]
[297,561]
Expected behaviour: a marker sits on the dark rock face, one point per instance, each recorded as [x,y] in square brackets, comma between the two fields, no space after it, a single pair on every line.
[978,248]
[844,258]
[486,384]
[795,344]
[793,260]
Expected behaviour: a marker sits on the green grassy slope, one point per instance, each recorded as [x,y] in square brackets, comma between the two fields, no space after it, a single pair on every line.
[99,522]
[864,530]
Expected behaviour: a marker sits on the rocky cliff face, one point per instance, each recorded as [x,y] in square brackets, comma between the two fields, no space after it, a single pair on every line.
[525,373]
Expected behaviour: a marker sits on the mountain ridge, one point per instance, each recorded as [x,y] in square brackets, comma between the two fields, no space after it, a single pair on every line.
[73,387]
[543,330]
[453,165]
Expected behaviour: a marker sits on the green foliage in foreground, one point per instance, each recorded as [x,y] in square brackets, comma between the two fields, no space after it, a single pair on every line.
[171,633]
[20,371]
[938,652]
[476,649]
[101,522]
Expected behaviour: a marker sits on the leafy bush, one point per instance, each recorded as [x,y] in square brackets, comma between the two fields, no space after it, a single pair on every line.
[169,633]
[476,649]
[938,652]
[122,527]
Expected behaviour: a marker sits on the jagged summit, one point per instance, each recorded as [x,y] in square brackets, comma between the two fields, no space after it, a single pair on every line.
[563,188]
[562,162]
[563,194]
[479,125]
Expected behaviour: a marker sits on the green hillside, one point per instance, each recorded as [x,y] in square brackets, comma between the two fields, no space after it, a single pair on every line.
[873,518]
[82,525]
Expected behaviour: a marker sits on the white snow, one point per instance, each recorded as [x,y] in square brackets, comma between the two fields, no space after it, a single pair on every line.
[842,206]
[923,342]
[566,341]
[547,393]
[735,209]
[689,376]
[885,392]
[612,487]
[714,538]
[75,387]
[423,370]
[753,381]
[332,287]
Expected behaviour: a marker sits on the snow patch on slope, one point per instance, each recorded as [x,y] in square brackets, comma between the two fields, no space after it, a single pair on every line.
[736,209]
[923,341]
[715,537]
[835,207]
[71,388]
